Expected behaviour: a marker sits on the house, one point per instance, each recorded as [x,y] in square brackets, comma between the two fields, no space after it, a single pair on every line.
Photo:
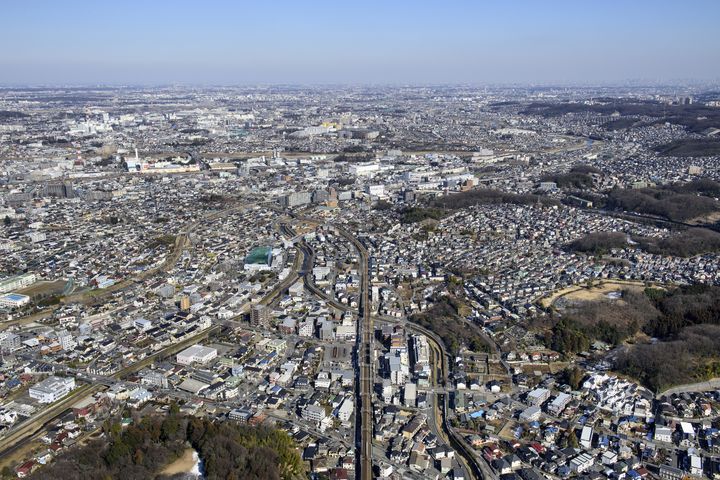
[26,469]
[419,461]
[666,472]
[582,462]
[530,414]
[501,466]
[663,434]
[530,474]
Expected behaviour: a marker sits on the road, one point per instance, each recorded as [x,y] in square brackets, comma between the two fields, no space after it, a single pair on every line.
[21,435]
[472,465]
[364,348]
[25,432]
[365,360]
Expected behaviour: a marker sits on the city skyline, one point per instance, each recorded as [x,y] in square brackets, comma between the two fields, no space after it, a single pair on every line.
[324,43]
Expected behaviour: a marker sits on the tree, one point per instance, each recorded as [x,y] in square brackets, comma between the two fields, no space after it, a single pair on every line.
[7,472]
[138,457]
[573,377]
[572,439]
[7,221]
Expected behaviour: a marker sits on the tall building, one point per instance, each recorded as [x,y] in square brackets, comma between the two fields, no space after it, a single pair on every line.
[67,341]
[59,190]
[296,199]
[185,303]
[9,342]
[320,196]
[260,316]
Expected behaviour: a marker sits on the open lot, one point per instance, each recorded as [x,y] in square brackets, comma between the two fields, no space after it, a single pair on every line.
[43,289]
[596,292]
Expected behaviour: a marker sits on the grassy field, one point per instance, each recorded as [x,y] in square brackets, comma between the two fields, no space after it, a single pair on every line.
[596,292]
[599,292]
[43,289]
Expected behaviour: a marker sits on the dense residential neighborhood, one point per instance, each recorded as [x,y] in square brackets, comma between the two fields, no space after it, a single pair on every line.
[381,280]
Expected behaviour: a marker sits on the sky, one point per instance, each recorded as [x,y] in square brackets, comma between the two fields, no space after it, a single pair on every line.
[218,42]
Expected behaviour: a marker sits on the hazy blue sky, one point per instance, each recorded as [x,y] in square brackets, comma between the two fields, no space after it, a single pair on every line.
[391,41]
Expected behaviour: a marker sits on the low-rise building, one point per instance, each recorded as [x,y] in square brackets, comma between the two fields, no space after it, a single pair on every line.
[196,354]
[52,389]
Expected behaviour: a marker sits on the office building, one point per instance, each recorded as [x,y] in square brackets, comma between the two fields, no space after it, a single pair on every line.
[314,413]
[296,199]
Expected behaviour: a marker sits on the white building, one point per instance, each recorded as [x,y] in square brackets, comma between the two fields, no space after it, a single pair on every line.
[13,300]
[139,396]
[196,354]
[530,414]
[52,389]
[142,324]
[14,283]
[314,413]
[376,190]
[410,394]
[9,341]
[586,437]
[364,169]
[306,328]
[36,237]
[582,462]
[696,465]
[67,341]
[538,396]
[345,410]
[559,403]
[663,434]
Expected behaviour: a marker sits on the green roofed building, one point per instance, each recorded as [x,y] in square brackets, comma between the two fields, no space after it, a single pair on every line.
[259,258]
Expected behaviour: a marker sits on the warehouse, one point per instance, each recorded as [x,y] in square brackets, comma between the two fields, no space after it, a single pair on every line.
[196,354]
